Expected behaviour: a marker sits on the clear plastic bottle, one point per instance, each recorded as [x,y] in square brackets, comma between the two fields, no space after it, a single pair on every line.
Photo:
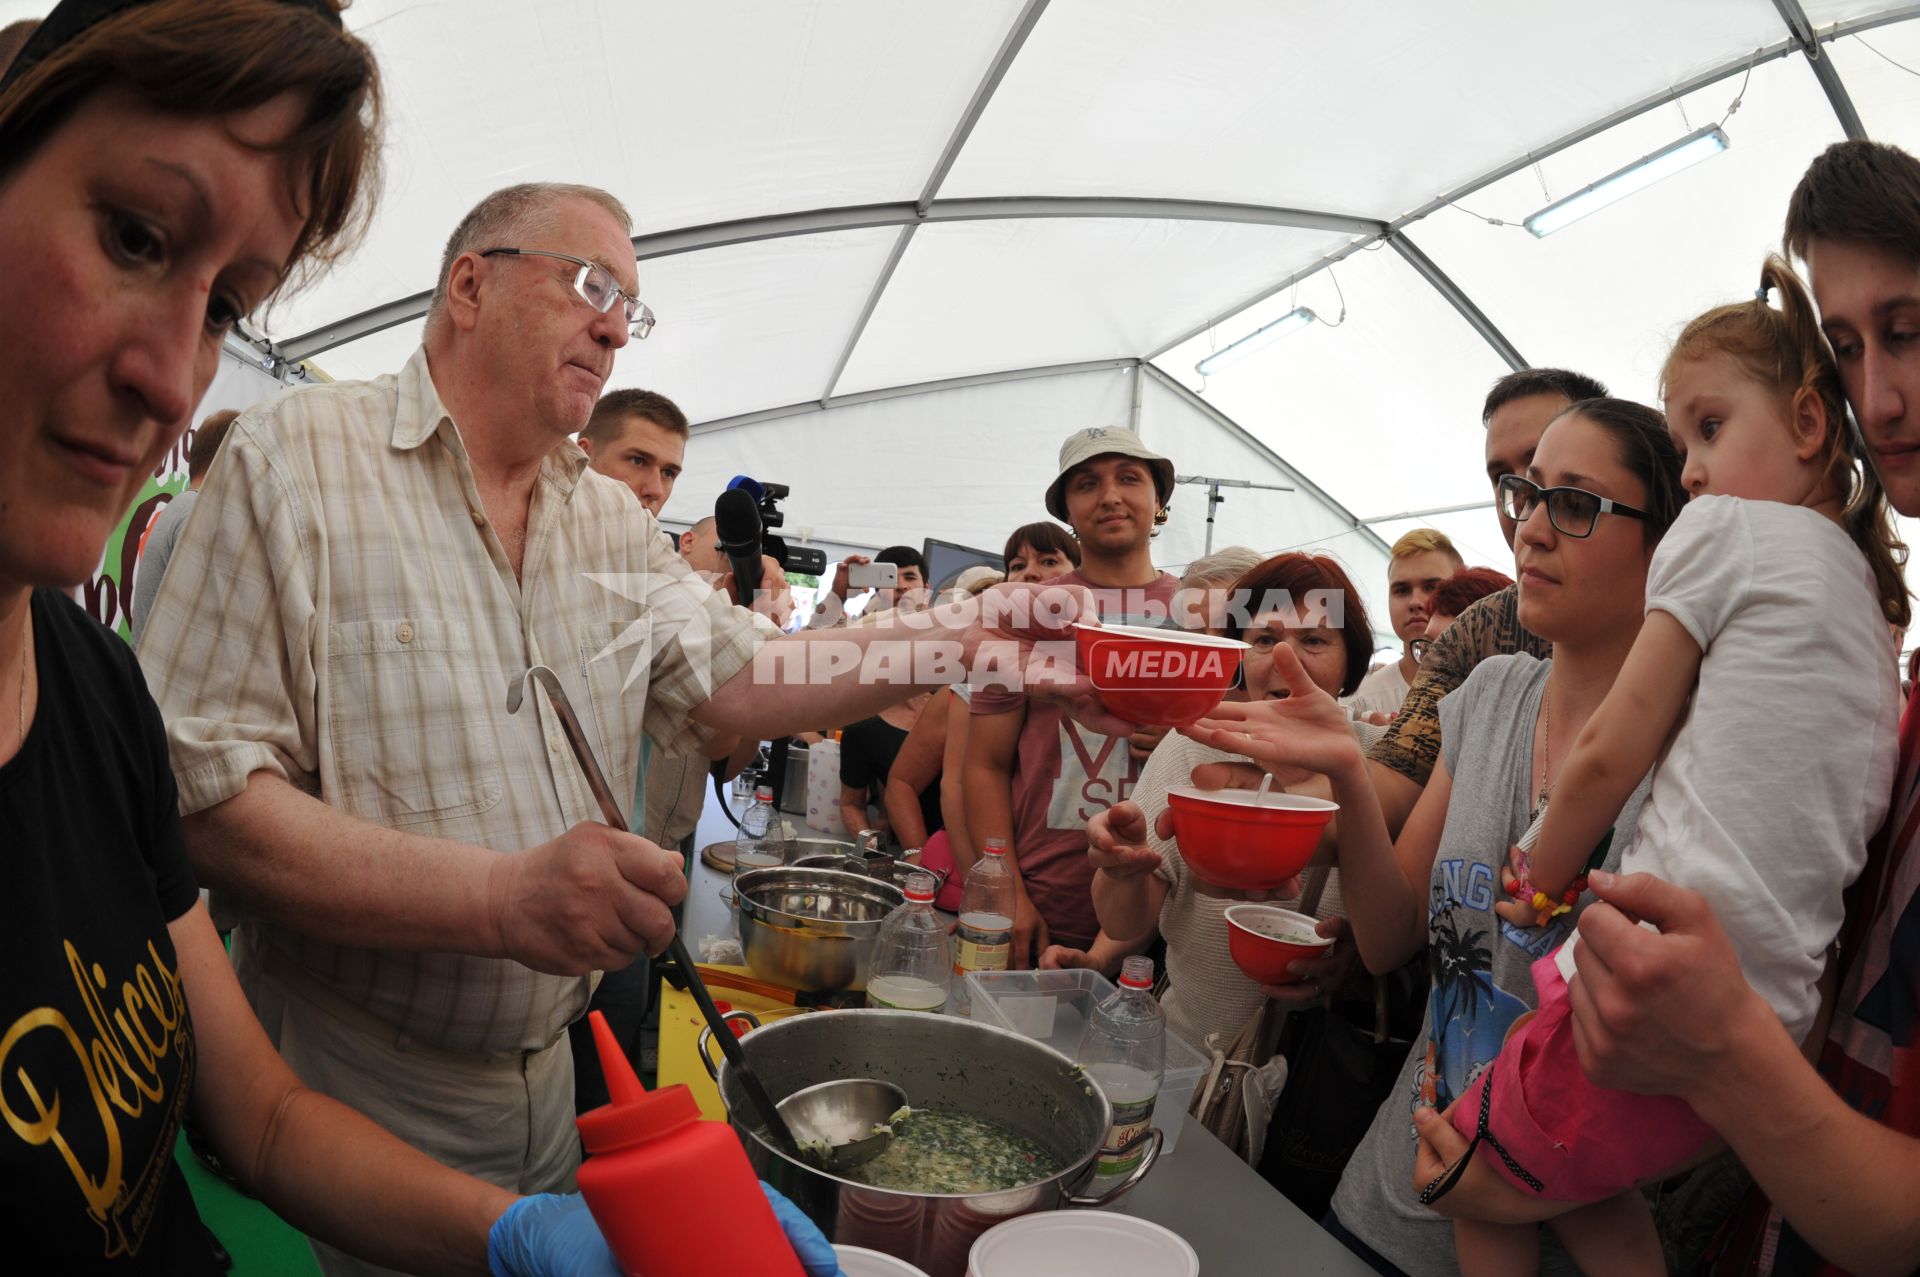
[912,958]
[1124,1051]
[984,939]
[762,840]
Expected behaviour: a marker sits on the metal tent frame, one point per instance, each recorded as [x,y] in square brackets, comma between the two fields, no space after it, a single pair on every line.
[1802,39]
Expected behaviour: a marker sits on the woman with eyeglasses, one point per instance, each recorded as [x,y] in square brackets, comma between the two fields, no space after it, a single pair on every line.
[1606,485]
[166,167]
[1768,607]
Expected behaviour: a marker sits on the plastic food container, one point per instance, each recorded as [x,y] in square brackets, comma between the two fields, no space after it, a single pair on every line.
[1165,678]
[1263,956]
[1081,1244]
[857,1261]
[1247,841]
[1052,1007]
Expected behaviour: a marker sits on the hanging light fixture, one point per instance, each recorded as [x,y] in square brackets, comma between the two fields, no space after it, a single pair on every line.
[1637,176]
[1291,322]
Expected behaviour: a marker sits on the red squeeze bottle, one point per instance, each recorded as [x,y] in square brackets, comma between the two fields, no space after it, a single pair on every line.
[674,1196]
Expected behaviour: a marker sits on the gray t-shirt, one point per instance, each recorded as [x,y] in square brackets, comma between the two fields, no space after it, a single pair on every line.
[154,556]
[1479,962]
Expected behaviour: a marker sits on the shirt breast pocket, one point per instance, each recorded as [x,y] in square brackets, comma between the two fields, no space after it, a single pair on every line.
[413,722]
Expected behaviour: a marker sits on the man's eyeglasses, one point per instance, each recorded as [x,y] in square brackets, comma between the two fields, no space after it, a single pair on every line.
[1573,511]
[1419,648]
[596,286]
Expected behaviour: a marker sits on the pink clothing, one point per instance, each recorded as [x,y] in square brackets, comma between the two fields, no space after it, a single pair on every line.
[938,854]
[1578,1142]
[1065,774]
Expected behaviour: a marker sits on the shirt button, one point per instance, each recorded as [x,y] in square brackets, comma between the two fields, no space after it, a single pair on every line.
[404,633]
[479,519]
[553,743]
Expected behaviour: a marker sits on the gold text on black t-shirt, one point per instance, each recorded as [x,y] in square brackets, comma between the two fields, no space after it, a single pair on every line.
[122,1054]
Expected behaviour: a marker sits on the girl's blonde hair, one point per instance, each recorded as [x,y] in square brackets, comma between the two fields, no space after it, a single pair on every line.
[1783,349]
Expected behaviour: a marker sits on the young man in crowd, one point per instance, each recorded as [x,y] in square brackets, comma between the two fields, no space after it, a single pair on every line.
[639,438]
[1113,492]
[1418,562]
[1836,1149]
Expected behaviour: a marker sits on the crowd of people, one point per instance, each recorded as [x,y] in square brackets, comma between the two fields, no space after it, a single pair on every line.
[1622,874]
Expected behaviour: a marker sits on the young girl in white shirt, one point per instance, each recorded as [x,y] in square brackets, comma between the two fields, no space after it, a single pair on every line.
[1766,672]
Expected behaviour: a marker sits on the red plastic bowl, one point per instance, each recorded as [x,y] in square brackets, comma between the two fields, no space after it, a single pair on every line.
[1231,838]
[1260,955]
[1157,678]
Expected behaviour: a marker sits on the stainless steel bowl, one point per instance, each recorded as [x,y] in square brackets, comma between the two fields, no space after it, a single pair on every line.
[940,1062]
[845,858]
[812,929]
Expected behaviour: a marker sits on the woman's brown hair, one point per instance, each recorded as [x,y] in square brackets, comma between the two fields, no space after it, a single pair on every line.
[207,58]
[1042,538]
[1294,575]
[1783,349]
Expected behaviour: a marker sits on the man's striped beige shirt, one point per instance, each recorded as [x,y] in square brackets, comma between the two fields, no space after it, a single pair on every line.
[340,612]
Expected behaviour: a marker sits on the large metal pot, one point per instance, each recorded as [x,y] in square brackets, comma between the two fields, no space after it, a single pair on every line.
[812,929]
[941,1062]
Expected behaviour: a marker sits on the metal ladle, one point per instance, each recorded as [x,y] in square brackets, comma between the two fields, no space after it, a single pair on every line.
[610,809]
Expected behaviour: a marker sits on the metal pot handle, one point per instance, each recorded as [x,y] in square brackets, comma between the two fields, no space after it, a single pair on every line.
[706,1039]
[1153,1138]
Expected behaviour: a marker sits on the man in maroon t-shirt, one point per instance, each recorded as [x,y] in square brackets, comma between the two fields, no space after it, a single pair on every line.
[1112,491]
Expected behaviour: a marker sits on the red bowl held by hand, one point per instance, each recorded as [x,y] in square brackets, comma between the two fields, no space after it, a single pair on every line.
[1264,940]
[1157,678]
[1247,841]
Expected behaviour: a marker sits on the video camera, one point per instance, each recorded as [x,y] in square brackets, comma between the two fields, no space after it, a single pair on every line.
[807,562]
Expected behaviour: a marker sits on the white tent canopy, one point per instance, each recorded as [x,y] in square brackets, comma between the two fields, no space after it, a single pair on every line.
[1038,216]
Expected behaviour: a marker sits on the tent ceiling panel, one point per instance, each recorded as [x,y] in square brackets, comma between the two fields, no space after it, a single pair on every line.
[1887,95]
[689,113]
[1825,13]
[782,308]
[1264,520]
[971,467]
[1368,109]
[974,297]
[1575,298]
[779,310]
[1382,411]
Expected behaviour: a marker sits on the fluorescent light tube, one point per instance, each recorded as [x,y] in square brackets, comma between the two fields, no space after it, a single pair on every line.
[1291,322]
[1637,176]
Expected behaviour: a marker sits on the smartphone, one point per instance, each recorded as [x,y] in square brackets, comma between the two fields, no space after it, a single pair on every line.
[873,576]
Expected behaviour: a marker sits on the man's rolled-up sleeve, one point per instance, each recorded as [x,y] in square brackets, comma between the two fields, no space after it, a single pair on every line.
[228,649]
[700,641]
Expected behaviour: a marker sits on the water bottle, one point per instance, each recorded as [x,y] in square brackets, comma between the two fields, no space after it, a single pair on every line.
[762,840]
[986,921]
[1124,1051]
[912,957]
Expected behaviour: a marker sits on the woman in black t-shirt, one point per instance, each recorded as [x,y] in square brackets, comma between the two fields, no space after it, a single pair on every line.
[160,176]
[867,751]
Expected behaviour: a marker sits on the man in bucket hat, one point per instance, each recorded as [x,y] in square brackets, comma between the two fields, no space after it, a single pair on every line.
[1112,490]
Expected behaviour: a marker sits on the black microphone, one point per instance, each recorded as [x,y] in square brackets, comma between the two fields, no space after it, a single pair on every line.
[736,522]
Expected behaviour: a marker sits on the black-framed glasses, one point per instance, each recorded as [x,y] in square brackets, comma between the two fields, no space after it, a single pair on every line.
[597,288]
[1572,511]
[1419,648]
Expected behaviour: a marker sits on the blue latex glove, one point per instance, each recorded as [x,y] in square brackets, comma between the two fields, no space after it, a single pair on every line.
[548,1235]
[809,1243]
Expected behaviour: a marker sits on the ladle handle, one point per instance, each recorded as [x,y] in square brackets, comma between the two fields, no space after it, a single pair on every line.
[735,1053]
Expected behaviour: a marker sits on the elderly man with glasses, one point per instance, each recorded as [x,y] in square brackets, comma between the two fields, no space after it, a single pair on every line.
[372,565]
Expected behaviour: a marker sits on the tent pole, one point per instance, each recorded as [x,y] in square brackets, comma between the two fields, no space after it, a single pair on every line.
[1823,69]
[1458,299]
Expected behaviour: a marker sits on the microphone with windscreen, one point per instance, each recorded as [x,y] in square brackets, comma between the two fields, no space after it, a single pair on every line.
[736,522]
